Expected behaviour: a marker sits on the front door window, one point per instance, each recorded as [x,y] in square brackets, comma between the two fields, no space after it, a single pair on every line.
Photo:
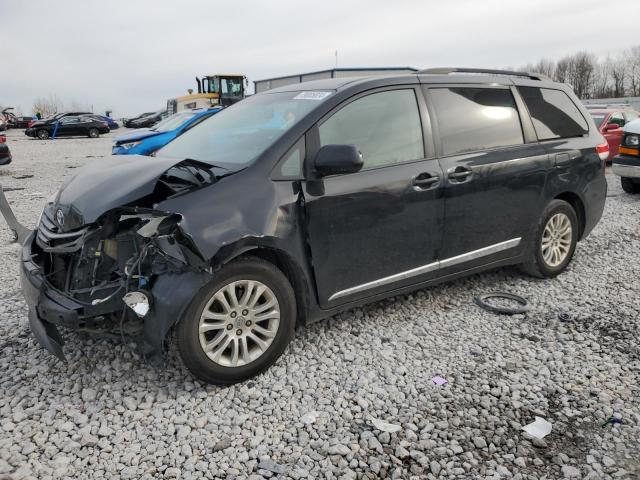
[384,126]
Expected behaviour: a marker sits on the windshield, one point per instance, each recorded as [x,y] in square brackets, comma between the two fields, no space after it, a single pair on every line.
[598,119]
[240,133]
[173,122]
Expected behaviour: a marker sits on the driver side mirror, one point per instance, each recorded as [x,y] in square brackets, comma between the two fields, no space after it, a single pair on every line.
[611,126]
[337,159]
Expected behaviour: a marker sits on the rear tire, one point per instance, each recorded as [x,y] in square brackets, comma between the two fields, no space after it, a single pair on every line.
[94,133]
[42,134]
[222,338]
[555,240]
[629,185]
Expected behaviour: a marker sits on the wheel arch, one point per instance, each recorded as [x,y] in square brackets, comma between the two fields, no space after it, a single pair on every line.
[576,202]
[281,260]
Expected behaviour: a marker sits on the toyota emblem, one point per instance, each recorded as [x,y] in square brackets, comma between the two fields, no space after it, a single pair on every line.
[60,217]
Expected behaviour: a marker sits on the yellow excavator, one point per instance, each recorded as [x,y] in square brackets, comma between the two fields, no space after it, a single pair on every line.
[222,89]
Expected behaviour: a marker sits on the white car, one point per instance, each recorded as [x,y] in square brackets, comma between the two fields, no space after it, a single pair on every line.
[627,163]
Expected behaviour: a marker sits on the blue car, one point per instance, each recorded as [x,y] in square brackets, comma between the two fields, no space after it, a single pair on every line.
[145,141]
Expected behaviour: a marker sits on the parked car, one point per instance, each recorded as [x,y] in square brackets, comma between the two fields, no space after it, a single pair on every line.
[126,122]
[147,121]
[5,153]
[111,123]
[146,141]
[6,115]
[313,198]
[22,122]
[67,126]
[627,163]
[58,116]
[610,122]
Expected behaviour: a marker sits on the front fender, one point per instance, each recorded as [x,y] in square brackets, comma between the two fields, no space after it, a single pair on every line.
[172,295]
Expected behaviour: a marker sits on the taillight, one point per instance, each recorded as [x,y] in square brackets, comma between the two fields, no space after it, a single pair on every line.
[105,124]
[3,139]
[603,151]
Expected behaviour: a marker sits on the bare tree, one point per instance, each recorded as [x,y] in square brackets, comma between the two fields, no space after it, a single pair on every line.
[581,73]
[595,78]
[47,106]
[601,84]
[632,59]
[545,66]
[619,76]
[561,73]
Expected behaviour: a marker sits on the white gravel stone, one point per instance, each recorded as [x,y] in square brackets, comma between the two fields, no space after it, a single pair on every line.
[570,472]
[107,413]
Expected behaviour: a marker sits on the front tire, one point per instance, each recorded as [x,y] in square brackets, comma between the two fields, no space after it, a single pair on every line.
[42,134]
[94,133]
[629,185]
[239,324]
[555,240]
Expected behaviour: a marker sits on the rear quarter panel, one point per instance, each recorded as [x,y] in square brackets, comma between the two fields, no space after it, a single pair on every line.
[578,171]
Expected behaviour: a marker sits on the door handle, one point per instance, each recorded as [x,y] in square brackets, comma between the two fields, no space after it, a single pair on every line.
[459,174]
[562,159]
[424,181]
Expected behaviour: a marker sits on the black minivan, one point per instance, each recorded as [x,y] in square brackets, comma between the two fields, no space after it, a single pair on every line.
[313,198]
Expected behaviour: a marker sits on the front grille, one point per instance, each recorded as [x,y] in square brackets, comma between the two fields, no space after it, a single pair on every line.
[50,237]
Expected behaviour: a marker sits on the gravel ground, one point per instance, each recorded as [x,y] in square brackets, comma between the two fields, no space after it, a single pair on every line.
[107,414]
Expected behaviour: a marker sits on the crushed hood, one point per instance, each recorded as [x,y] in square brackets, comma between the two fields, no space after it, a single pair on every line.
[116,181]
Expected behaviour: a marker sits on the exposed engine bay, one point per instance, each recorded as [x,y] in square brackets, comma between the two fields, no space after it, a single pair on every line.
[130,272]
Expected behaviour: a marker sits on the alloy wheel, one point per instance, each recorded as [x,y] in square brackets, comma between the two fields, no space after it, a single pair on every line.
[556,239]
[239,323]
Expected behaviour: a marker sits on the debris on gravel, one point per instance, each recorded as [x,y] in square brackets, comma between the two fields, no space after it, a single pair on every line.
[106,413]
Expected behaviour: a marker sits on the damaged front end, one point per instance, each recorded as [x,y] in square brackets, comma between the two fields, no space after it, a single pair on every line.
[132,272]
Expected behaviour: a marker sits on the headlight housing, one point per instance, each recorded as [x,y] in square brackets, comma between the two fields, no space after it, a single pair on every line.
[632,140]
[130,145]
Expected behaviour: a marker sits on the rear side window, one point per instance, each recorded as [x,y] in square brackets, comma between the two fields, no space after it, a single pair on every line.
[384,126]
[630,115]
[472,119]
[553,113]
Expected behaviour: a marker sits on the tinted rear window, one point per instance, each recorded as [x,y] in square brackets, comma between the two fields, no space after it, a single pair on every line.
[553,113]
[472,119]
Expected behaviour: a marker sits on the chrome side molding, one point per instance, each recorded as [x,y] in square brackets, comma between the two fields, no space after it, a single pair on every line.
[437,265]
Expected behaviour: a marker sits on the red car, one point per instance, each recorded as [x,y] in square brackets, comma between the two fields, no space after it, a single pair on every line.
[610,122]
[5,154]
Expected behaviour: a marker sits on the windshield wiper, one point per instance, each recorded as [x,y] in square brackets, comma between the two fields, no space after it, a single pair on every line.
[207,164]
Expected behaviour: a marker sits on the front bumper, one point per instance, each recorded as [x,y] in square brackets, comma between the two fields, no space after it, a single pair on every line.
[626,166]
[32,282]
[118,150]
[49,309]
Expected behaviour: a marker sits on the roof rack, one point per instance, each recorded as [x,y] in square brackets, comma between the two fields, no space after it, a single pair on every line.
[447,71]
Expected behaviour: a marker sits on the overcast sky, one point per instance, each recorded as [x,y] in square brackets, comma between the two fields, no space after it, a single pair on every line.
[132,55]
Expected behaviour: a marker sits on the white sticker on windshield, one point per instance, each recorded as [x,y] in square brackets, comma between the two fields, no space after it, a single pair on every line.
[311,95]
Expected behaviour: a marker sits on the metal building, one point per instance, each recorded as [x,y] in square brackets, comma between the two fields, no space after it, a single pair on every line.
[269,83]
[628,102]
